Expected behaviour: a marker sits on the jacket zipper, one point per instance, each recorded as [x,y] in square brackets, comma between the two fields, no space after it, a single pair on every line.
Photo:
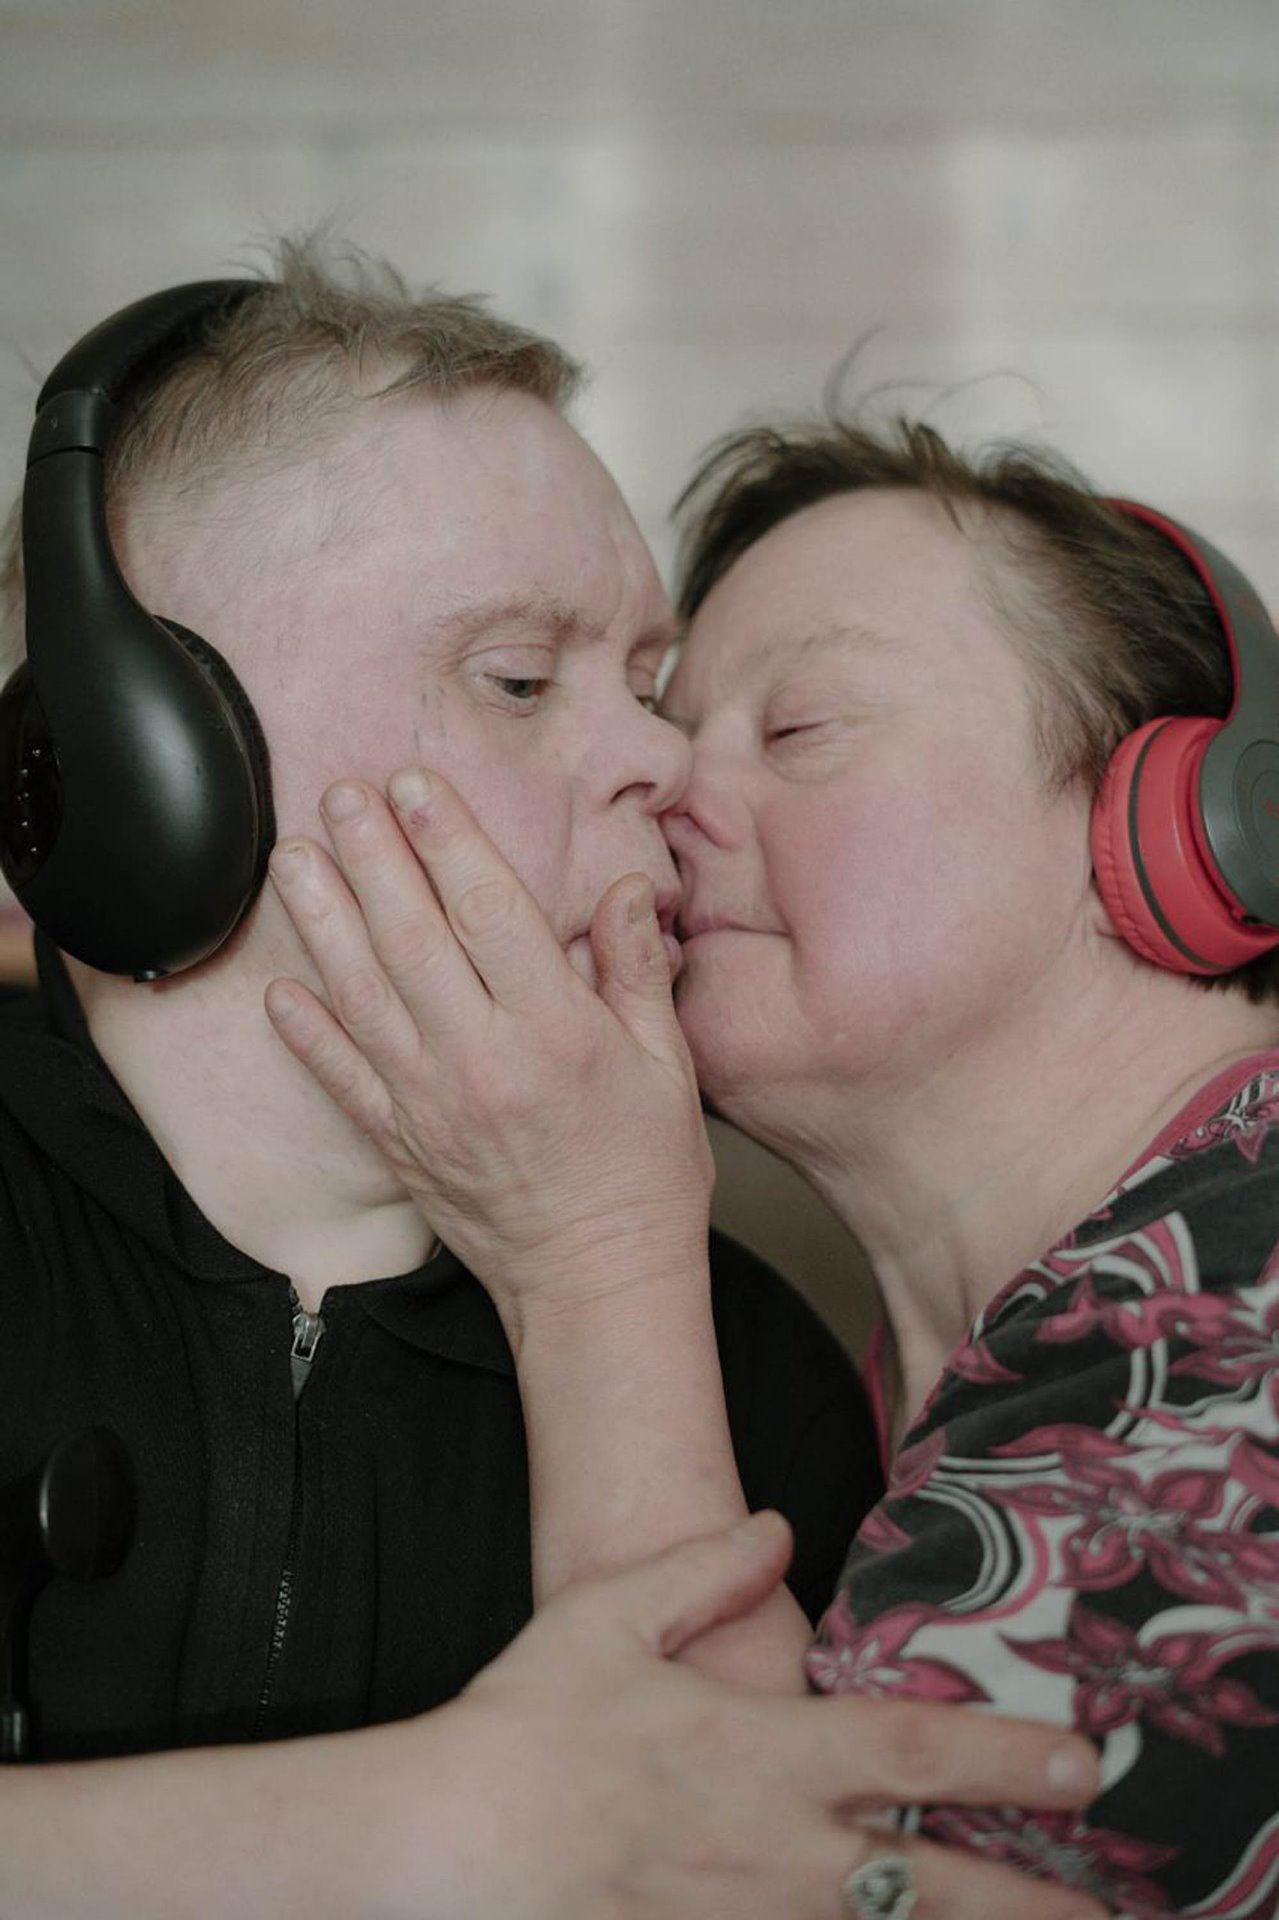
[308,1330]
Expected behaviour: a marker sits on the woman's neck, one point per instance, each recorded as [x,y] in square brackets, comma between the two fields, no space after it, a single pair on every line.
[955,1180]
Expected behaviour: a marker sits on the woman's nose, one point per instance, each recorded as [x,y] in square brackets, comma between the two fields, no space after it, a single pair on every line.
[711,806]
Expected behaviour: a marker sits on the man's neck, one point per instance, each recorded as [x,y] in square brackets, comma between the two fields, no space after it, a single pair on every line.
[264,1154]
[953,1184]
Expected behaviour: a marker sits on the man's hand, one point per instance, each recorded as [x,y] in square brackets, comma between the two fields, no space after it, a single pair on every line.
[551,1133]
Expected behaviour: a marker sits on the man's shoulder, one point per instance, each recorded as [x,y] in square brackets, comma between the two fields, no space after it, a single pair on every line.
[21,1008]
[26,1035]
[27,1052]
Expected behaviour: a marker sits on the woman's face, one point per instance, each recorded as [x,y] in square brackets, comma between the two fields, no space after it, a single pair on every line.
[875,871]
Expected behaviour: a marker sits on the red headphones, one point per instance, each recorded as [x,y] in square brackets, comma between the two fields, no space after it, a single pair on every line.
[1185,830]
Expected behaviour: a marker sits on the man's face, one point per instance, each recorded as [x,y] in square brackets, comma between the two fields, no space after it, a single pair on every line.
[876,874]
[458,586]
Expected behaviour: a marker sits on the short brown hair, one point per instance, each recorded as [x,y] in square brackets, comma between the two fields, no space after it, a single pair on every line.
[330,329]
[1114,626]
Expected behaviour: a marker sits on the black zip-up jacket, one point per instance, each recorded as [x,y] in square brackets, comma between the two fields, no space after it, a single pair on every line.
[349,1554]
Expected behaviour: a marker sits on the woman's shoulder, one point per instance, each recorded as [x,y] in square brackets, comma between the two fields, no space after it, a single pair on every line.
[1083,1526]
[1185,1250]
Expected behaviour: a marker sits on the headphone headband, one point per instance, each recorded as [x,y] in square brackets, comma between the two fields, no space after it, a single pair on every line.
[1249,630]
[135,803]
[140,338]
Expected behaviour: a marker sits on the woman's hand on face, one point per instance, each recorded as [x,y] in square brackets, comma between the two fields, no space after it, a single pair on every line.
[550,1132]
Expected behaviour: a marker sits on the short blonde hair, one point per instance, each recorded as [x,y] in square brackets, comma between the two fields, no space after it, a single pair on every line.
[331,328]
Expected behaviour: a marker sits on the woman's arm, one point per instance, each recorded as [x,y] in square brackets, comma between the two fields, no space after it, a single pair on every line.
[552,1135]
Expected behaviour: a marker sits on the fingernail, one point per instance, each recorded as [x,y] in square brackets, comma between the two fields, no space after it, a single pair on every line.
[287,857]
[281,1001]
[641,906]
[343,802]
[1071,1769]
[409,789]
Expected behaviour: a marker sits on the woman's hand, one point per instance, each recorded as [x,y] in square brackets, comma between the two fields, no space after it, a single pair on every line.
[551,1133]
[602,1781]
[583,1776]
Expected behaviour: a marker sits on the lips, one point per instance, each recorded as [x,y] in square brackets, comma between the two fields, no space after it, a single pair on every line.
[698,919]
[691,925]
[666,905]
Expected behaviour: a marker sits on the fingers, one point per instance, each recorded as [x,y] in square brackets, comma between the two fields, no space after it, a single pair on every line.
[632,963]
[668,1600]
[330,925]
[496,921]
[953,1885]
[429,907]
[402,921]
[314,1037]
[901,1752]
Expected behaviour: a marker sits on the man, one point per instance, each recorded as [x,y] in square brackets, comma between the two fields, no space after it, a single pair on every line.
[375,512]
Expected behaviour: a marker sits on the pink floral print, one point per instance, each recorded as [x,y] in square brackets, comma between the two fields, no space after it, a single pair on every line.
[1083,1524]
[1173,1679]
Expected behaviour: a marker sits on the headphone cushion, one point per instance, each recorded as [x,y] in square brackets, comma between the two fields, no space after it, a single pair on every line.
[1153,868]
[244,724]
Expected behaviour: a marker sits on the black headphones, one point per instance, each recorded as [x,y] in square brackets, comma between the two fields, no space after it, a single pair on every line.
[135,789]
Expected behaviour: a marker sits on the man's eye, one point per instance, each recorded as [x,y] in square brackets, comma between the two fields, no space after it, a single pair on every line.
[522,688]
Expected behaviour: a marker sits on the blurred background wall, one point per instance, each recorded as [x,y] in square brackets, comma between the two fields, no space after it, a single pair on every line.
[1064,209]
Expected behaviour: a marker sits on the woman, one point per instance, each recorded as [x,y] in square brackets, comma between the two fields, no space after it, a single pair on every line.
[909,966]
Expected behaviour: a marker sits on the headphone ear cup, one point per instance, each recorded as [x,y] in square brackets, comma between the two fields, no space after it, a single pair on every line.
[244,723]
[1154,870]
[1114,860]
[136,833]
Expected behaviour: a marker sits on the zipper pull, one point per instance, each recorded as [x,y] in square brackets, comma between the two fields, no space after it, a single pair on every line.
[308,1329]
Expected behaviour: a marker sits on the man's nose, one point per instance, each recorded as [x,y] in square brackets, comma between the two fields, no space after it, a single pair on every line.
[657,761]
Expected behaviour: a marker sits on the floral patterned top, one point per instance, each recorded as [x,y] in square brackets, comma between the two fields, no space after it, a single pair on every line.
[1083,1527]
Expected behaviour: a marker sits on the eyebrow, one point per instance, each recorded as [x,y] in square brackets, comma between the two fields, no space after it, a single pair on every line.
[821,640]
[544,614]
[843,635]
